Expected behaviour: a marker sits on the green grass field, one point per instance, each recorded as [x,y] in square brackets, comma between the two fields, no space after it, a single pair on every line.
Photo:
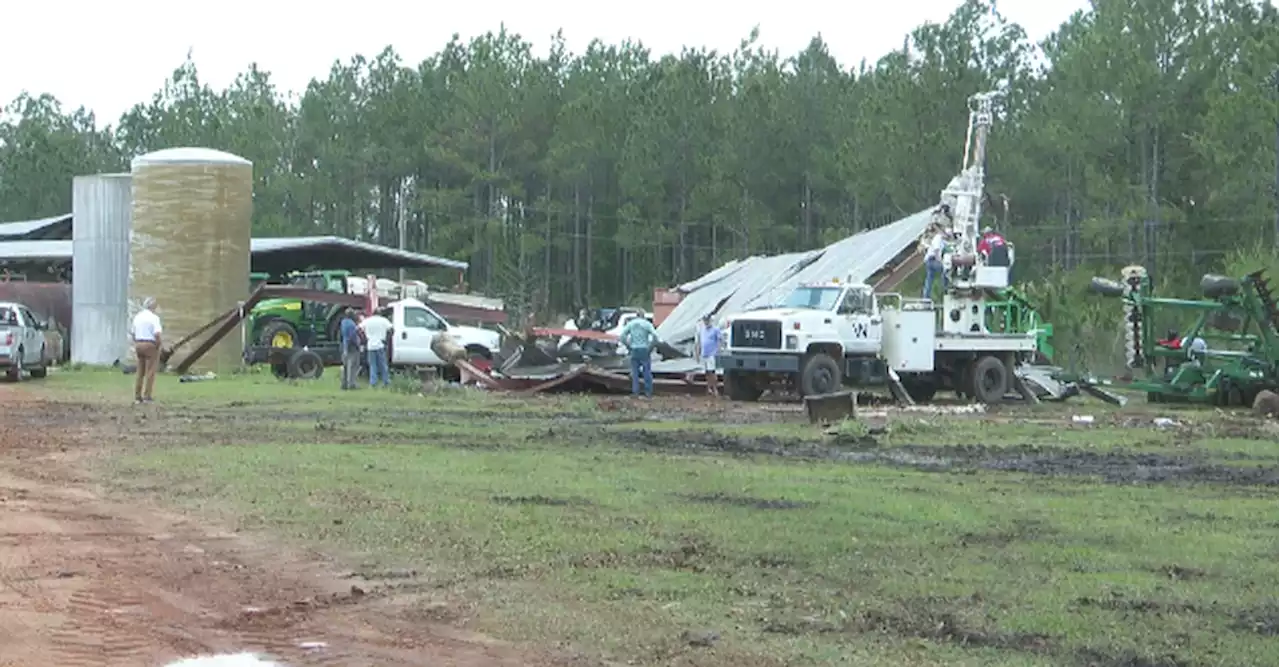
[638,532]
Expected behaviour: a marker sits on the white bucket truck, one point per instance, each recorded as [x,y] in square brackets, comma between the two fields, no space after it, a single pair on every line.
[828,335]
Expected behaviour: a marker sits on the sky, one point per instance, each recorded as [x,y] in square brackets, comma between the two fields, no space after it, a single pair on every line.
[109,56]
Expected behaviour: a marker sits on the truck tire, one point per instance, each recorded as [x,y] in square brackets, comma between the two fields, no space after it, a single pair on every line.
[921,390]
[305,365]
[278,333]
[43,369]
[990,380]
[15,371]
[820,374]
[738,386]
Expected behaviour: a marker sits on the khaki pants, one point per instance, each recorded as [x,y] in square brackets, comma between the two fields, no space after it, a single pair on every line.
[148,360]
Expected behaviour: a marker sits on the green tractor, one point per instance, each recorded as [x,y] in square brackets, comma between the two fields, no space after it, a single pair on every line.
[1226,355]
[288,323]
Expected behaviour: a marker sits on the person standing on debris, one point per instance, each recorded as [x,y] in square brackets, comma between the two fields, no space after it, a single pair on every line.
[933,260]
[146,346]
[638,336]
[350,337]
[708,350]
[376,328]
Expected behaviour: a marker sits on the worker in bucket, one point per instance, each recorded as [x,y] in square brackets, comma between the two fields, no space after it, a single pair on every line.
[639,337]
[708,349]
[995,250]
[933,260]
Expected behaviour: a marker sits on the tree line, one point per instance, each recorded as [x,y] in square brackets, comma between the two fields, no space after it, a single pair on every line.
[1139,131]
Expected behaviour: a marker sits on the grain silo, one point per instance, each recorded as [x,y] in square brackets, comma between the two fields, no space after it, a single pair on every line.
[190,244]
[101,207]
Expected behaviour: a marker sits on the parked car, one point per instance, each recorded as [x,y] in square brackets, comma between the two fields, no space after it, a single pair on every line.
[22,342]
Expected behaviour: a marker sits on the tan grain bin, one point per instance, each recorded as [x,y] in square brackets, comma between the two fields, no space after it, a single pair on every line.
[192,212]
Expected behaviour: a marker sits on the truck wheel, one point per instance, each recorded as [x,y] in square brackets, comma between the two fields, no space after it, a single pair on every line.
[990,380]
[15,371]
[739,387]
[279,334]
[920,390]
[305,365]
[819,375]
[43,369]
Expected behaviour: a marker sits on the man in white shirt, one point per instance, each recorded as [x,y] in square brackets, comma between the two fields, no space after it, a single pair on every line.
[376,329]
[933,260]
[146,346]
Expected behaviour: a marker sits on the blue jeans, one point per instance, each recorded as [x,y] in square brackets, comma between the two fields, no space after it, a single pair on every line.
[378,367]
[932,269]
[641,362]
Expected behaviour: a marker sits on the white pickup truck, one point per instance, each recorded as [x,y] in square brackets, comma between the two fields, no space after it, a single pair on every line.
[22,342]
[415,327]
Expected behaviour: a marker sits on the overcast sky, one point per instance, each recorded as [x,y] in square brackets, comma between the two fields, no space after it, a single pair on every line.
[109,56]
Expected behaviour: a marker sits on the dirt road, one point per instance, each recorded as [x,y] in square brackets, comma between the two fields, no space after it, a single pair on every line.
[87,581]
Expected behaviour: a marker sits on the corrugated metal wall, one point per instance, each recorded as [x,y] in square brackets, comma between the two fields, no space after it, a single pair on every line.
[103,208]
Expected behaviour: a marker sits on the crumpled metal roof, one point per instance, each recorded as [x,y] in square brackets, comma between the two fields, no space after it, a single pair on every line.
[760,282]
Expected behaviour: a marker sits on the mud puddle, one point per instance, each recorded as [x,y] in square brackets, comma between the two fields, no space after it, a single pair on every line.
[1116,466]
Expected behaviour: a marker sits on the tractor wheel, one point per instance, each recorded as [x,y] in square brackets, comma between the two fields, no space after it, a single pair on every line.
[305,365]
[819,375]
[278,334]
[738,386]
[990,380]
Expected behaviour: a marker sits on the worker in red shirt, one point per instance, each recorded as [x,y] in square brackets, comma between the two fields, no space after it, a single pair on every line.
[995,250]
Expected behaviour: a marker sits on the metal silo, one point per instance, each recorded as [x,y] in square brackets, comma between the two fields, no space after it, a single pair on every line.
[101,207]
[189,249]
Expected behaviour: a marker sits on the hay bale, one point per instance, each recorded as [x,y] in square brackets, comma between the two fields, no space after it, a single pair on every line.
[1266,403]
[448,349]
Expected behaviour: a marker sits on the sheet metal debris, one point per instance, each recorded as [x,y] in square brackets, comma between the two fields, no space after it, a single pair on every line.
[565,359]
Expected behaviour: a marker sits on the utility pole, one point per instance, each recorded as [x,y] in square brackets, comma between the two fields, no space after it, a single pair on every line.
[1275,195]
[400,216]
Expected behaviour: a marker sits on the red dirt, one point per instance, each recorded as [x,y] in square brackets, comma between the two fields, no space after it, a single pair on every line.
[86,580]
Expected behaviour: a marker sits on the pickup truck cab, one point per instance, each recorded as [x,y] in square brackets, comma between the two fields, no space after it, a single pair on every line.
[415,327]
[22,342]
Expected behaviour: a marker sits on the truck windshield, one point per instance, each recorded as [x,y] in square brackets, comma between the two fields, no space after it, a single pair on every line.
[817,298]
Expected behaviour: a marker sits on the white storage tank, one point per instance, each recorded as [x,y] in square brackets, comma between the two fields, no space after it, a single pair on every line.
[192,212]
[101,207]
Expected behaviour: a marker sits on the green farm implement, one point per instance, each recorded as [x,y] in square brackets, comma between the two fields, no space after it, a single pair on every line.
[1226,354]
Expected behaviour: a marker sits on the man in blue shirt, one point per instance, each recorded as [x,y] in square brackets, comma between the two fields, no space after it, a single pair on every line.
[350,335]
[639,336]
[708,350]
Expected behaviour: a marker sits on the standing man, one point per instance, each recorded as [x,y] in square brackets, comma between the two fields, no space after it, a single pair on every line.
[933,261]
[350,335]
[146,346]
[376,329]
[709,349]
[639,336]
